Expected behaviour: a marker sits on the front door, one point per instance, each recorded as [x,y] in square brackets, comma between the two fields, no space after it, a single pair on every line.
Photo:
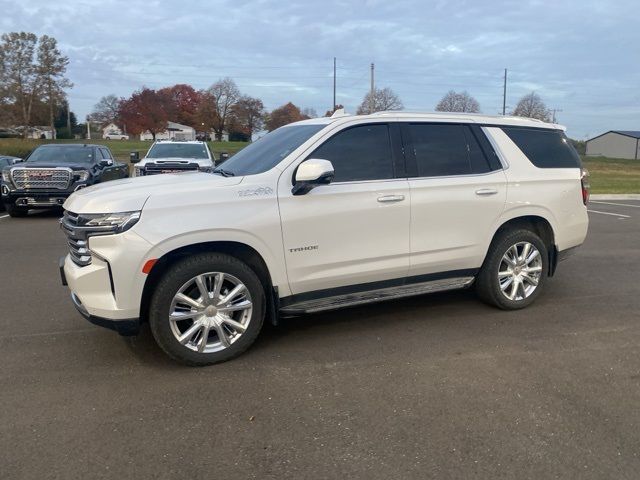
[354,231]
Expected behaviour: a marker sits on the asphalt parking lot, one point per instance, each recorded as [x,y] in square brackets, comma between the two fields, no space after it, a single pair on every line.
[437,386]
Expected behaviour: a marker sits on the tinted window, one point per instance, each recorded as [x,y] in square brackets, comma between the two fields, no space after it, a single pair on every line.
[440,150]
[61,154]
[359,153]
[544,148]
[268,151]
[178,150]
[105,153]
[477,159]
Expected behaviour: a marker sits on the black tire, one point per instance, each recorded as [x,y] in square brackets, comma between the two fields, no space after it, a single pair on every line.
[487,283]
[180,273]
[16,212]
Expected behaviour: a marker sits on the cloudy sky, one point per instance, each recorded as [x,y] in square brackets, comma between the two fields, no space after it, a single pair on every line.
[581,56]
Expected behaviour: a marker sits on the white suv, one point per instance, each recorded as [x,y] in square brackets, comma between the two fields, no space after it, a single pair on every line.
[323,214]
[171,156]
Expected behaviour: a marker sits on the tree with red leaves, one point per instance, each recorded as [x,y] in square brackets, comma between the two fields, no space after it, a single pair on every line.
[144,111]
[181,104]
[284,115]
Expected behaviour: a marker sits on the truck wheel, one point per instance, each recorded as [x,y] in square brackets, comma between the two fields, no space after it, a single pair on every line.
[207,308]
[514,271]
[15,212]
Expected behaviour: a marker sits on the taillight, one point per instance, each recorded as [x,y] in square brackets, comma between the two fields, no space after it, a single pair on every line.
[584,181]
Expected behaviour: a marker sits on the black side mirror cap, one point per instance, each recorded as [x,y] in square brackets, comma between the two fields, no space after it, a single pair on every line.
[134,157]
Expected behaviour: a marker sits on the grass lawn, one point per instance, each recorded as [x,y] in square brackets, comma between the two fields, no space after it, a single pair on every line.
[613,175]
[18,147]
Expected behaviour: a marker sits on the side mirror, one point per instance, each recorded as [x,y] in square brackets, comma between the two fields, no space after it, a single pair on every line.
[17,160]
[224,156]
[134,157]
[310,174]
[105,162]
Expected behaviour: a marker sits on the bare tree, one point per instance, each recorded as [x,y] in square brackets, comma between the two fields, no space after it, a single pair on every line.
[532,106]
[19,74]
[221,97]
[106,110]
[383,99]
[309,112]
[458,102]
[51,68]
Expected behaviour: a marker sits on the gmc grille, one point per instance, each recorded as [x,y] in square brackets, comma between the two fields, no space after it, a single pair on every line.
[41,178]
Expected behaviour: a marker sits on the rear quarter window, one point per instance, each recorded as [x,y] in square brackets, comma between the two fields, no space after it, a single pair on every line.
[544,148]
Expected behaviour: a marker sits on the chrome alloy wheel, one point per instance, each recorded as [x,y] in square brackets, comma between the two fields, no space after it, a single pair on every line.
[519,271]
[210,312]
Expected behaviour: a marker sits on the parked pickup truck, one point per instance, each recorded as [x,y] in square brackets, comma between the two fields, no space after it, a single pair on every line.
[53,172]
[171,156]
[323,214]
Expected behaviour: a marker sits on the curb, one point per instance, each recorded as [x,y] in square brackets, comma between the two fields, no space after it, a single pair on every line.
[615,196]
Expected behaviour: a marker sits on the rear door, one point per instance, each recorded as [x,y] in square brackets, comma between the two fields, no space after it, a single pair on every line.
[458,191]
[354,231]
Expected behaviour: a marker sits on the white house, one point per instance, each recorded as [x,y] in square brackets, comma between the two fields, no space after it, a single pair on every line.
[40,133]
[111,129]
[174,131]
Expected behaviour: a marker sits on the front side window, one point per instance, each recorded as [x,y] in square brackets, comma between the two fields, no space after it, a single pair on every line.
[178,150]
[359,153]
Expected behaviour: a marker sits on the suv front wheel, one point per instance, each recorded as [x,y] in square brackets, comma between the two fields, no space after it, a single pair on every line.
[207,308]
[514,271]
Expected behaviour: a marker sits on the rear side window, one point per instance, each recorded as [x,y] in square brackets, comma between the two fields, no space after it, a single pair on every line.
[359,153]
[544,148]
[446,150]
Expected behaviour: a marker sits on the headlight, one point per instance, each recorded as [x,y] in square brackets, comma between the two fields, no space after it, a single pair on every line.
[105,223]
[81,175]
[6,177]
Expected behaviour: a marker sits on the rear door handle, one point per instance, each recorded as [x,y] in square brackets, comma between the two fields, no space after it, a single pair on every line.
[483,192]
[390,198]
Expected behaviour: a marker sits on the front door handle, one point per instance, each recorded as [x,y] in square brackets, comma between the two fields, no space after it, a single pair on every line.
[483,192]
[390,198]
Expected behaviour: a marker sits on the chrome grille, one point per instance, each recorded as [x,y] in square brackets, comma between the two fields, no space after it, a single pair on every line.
[77,239]
[43,178]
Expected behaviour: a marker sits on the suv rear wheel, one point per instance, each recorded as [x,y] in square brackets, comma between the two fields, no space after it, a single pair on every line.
[514,271]
[207,308]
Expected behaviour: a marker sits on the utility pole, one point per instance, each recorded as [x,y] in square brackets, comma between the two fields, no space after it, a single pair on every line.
[553,114]
[504,94]
[372,93]
[88,129]
[334,84]
[68,119]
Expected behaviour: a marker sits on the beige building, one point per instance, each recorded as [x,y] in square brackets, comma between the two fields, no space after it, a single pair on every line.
[615,144]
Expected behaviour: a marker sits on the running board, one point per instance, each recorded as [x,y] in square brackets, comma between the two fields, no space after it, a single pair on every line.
[353,299]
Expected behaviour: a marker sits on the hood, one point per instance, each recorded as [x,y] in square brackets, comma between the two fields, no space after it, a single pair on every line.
[130,194]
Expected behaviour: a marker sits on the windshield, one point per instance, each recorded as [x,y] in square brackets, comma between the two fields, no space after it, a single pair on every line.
[265,153]
[178,150]
[69,154]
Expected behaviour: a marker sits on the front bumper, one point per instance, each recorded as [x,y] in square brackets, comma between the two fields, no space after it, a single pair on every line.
[124,326]
[33,199]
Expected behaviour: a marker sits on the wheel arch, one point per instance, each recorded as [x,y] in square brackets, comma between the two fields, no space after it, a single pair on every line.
[538,225]
[239,250]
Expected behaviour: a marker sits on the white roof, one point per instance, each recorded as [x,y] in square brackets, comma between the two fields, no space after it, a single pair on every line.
[440,117]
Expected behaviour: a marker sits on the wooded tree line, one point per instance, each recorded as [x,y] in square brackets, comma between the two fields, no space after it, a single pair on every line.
[32,80]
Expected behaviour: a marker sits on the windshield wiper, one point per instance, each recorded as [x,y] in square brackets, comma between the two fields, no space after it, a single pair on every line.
[224,173]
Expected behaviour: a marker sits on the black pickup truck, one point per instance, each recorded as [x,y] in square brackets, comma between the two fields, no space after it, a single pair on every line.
[51,173]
